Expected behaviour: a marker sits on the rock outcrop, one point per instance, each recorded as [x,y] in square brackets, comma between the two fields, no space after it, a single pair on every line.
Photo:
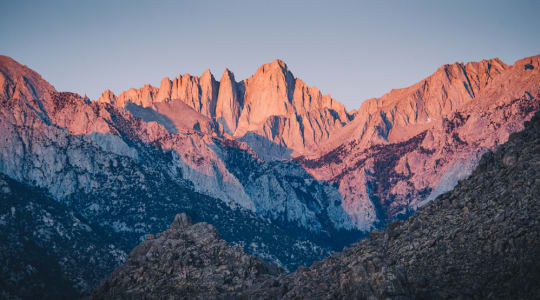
[185,261]
[481,240]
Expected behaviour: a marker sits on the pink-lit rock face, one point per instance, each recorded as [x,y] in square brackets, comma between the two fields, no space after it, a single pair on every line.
[107,97]
[269,108]
[73,143]
[229,102]
[18,81]
[210,148]
[412,144]
[285,111]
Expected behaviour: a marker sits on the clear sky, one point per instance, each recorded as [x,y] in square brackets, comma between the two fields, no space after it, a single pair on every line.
[353,50]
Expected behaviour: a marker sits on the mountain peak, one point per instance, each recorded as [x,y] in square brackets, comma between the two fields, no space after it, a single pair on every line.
[276,65]
[227,74]
[279,62]
[483,64]
[107,97]
[19,81]
[207,73]
[529,63]
[6,59]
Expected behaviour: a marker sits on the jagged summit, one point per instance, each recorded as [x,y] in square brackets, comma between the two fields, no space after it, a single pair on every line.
[276,65]
[229,102]
[227,73]
[437,128]
[107,97]
[445,91]
[270,109]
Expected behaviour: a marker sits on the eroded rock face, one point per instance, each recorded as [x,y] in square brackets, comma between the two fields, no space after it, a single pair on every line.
[186,260]
[285,111]
[229,103]
[399,152]
[17,81]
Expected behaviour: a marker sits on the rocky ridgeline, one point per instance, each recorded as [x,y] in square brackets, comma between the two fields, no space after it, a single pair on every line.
[185,260]
[481,240]
[271,109]
[413,144]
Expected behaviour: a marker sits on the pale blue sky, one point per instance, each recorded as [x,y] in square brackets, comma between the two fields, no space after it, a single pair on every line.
[353,50]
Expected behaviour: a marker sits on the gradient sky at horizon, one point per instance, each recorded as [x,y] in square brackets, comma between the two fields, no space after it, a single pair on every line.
[353,50]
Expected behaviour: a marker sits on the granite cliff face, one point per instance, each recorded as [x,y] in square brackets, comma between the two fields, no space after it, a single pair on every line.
[392,155]
[278,115]
[481,240]
[66,148]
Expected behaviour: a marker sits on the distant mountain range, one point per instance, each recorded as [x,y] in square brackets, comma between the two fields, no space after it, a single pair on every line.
[281,170]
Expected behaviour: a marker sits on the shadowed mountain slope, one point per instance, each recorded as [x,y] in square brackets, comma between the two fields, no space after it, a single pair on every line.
[47,249]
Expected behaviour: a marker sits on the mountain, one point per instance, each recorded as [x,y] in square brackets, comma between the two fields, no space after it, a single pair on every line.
[412,144]
[388,158]
[481,240]
[127,178]
[61,147]
[128,164]
[276,114]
